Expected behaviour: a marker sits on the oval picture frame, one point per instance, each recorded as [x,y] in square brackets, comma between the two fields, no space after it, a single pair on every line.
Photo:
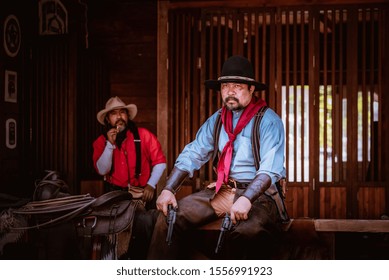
[11,36]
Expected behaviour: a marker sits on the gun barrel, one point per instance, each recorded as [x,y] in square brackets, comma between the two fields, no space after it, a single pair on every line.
[171,219]
[225,226]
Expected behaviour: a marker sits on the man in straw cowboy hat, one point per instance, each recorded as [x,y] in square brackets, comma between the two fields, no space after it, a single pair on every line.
[240,186]
[130,159]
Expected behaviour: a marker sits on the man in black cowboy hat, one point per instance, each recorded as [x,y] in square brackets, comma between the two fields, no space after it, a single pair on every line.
[240,186]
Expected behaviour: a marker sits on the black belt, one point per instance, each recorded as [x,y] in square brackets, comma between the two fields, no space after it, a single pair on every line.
[109,187]
[236,185]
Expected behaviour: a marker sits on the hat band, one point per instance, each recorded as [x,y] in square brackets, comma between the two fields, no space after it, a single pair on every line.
[235,78]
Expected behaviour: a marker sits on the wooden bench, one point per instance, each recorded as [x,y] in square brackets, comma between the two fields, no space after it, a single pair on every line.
[326,225]
[307,238]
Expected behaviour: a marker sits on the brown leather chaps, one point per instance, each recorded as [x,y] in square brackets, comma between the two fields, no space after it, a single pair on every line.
[247,239]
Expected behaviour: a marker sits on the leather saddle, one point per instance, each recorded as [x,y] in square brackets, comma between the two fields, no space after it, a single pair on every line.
[110,213]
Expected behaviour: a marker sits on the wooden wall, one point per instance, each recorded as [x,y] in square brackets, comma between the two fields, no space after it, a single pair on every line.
[125,33]
[13,162]
[64,80]
[349,198]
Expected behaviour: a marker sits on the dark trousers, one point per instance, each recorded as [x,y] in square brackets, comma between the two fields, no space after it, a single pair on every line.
[142,231]
[142,227]
[244,240]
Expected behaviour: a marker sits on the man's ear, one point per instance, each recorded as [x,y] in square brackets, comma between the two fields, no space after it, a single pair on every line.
[252,88]
[106,121]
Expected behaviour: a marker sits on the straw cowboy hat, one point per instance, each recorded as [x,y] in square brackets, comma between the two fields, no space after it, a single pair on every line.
[116,103]
[236,69]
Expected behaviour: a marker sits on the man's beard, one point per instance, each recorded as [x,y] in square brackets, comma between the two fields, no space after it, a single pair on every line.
[121,135]
[237,107]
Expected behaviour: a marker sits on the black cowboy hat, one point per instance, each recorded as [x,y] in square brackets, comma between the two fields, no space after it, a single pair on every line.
[236,69]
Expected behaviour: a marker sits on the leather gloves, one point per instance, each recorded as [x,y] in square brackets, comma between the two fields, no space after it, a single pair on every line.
[148,193]
[175,179]
[257,187]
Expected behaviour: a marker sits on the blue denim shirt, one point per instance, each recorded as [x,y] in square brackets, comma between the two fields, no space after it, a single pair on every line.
[272,148]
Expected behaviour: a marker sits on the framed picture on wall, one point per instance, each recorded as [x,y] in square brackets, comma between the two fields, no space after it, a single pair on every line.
[11,36]
[53,17]
[11,86]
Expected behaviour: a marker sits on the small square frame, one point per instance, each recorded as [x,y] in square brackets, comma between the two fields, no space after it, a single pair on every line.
[11,86]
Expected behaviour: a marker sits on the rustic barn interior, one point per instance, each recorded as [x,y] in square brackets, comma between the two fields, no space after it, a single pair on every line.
[326,64]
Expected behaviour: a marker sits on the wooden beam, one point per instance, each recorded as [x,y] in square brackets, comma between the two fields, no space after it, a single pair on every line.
[351,225]
[325,225]
[162,84]
[264,3]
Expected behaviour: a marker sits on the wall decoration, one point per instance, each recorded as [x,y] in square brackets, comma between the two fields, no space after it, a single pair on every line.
[10,134]
[11,86]
[53,17]
[12,36]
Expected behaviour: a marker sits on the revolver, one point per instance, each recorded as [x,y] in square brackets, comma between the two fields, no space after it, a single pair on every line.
[170,219]
[226,226]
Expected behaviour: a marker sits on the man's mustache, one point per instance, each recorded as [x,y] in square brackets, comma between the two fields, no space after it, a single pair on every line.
[120,122]
[120,125]
[231,98]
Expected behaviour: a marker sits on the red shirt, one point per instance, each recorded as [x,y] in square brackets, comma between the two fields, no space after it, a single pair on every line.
[125,158]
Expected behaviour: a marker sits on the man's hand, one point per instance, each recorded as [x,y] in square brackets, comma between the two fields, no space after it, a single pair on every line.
[164,199]
[148,193]
[111,135]
[240,209]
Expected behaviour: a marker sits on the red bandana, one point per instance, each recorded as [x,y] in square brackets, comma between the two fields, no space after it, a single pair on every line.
[223,168]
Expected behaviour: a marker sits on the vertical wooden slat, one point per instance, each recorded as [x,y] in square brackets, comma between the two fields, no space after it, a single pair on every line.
[372,89]
[203,74]
[275,69]
[365,102]
[371,92]
[382,25]
[342,153]
[170,64]
[219,52]
[334,120]
[304,137]
[296,123]
[264,58]
[187,69]
[325,98]
[257,47]
[183,101]
[174,54]
[211,58]
[247,20]
[352,113]
[313,74]
[226,36]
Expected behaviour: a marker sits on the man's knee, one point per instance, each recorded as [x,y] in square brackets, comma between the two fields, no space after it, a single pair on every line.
[144,222]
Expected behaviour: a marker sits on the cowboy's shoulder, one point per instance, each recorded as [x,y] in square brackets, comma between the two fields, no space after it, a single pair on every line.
[270,117]
[146,134]
[99,141]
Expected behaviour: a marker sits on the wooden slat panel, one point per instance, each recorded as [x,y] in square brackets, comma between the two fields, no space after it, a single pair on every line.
[94,91]
[51,133]
[371,202]
[332,202]
[297,200]
[293,47]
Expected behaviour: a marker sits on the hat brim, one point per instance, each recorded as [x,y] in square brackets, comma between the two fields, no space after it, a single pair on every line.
[131,108]
[215,85]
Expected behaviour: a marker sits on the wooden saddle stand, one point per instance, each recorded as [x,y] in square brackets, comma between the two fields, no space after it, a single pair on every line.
[105,216]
